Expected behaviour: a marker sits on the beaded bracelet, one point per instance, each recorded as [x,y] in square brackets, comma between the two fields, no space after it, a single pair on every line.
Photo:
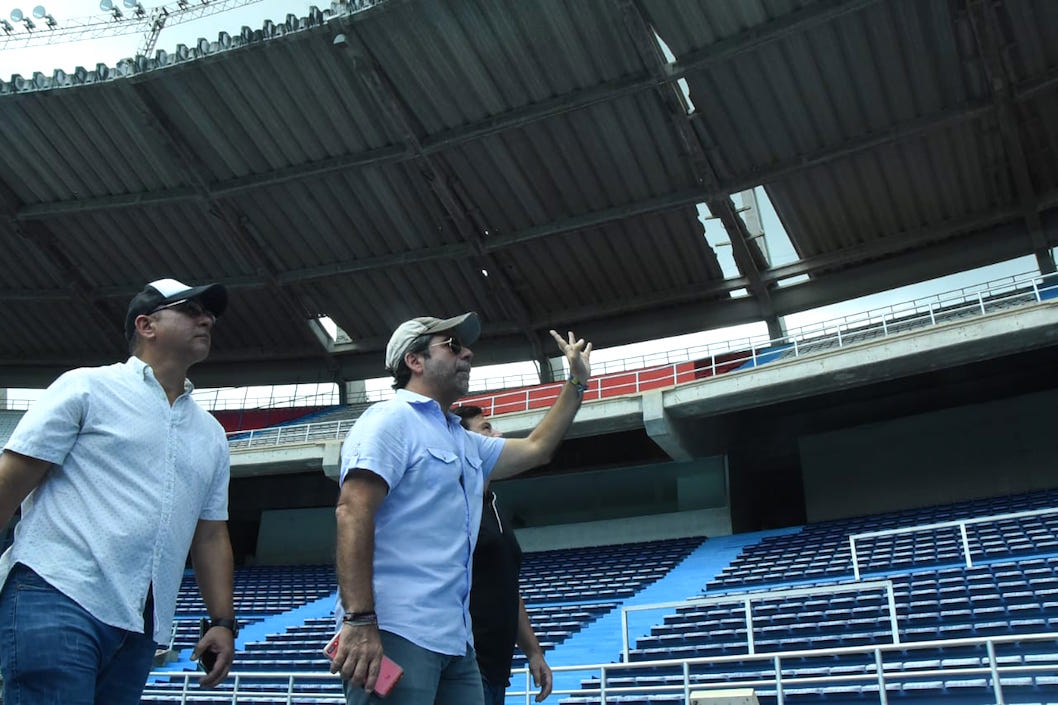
[580,386]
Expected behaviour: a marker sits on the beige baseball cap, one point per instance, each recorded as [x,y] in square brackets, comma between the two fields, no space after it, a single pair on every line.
[466,328]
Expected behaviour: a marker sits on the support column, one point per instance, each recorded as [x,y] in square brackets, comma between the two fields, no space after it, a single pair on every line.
[662,429]
[352,392]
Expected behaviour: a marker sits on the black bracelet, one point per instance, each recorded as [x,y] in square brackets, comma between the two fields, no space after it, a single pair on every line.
[231,624]
[359,618]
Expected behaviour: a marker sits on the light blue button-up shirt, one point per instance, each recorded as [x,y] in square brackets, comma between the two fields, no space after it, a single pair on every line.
[427,525]
[131,477]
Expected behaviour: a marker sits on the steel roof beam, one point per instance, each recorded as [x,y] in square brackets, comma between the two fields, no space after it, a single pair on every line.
[812,265]
[748,257]
[465,215]
[810,16]
[237,225]
[988,34]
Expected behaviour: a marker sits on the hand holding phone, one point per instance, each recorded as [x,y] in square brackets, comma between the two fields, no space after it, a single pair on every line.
[388,674]
[208,658]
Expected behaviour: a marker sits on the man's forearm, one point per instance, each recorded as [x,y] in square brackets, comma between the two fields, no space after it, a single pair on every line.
[526,637]
[552,429]
[521,454]
[211,558]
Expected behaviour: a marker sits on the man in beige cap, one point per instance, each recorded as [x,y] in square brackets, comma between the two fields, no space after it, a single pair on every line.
[410,506]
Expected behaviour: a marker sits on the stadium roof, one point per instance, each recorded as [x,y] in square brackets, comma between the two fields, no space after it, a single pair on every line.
[371,164]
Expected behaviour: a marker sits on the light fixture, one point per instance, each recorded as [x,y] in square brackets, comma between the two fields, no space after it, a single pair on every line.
[129,4]
[16,15]
[39,12]
[106,5]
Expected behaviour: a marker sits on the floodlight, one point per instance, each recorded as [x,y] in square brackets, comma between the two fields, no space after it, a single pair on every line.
[16,15]
[106,5]
[129,4]
[39,12]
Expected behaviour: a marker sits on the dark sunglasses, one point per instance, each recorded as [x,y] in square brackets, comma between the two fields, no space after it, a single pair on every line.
[188,307]
[453,344]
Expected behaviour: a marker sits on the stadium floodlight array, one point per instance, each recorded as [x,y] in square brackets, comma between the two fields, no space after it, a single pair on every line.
[112,22]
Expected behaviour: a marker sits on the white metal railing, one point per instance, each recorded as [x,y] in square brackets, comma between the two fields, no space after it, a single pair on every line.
[747,599]
[611,379]
[835,332]
[961,524]
[282,435]
[885,666]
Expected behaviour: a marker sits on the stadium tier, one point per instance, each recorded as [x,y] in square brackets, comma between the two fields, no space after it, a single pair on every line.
[1010,590]
[1009,594]
[622,377]
[822,550]
[564,591]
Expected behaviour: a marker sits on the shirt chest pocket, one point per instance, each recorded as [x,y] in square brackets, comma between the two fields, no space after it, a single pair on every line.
[441,468]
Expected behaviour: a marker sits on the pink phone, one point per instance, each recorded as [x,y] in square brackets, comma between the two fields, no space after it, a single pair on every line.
[388,674]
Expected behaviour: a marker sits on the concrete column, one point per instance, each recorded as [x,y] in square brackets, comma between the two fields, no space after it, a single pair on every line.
[660,427]
[552,369]
[352,391]
[776,327]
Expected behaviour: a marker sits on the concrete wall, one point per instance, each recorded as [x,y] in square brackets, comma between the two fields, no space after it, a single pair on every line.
[701,522]
[649,490]
[968,452]
[303,536]
[296,536]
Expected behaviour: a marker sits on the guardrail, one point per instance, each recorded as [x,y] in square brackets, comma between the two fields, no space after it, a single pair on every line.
[885,666]
[694,363]
[961,524]
[747,599]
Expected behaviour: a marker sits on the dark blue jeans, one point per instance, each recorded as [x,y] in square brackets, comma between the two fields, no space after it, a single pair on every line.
[53,651]
[429,678]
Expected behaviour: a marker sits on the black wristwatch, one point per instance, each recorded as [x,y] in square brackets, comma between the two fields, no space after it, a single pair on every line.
[232,624]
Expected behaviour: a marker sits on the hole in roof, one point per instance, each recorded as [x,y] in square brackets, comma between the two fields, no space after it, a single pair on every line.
[682,82]
[333,331]
[718,240]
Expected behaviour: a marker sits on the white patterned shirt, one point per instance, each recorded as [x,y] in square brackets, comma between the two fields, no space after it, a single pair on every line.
[131,478]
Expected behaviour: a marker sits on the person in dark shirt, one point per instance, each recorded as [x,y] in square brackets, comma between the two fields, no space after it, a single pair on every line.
[496,606]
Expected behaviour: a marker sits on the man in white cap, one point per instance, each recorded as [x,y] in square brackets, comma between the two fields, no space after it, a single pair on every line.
[409,509]
[119,473]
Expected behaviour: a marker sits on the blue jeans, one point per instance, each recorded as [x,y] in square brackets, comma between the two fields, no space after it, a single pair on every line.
[494,694]
[429,677]
[53,651]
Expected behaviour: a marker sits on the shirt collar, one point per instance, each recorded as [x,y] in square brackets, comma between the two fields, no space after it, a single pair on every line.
[142,370]
[416,399]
